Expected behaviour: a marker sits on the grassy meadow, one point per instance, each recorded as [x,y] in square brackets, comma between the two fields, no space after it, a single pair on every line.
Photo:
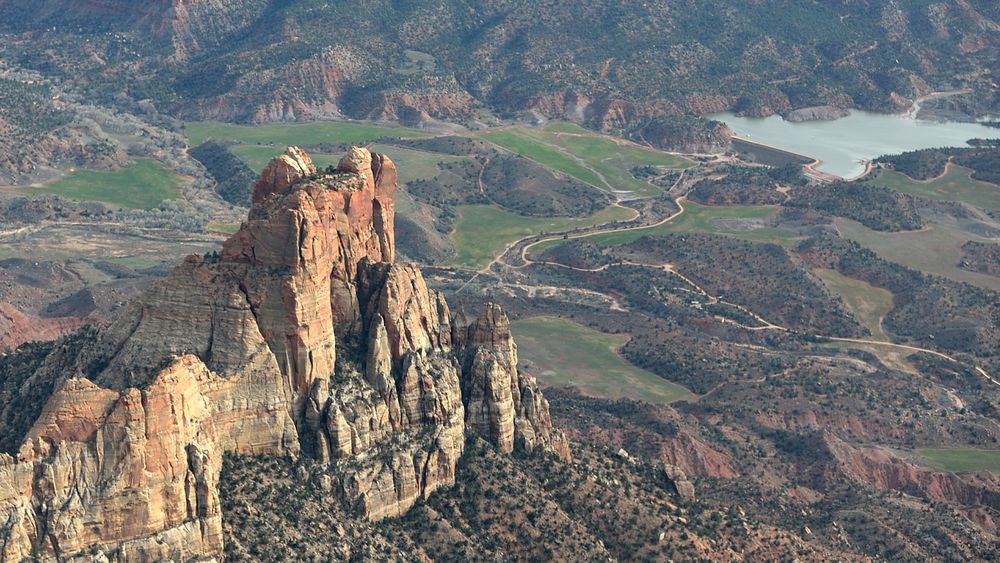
[483,231]
[591,158]
[566,354]
[955,185]
[868,303]
[961,460]
[143,184]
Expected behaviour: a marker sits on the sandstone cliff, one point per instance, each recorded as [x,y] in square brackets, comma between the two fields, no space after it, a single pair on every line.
[302,337]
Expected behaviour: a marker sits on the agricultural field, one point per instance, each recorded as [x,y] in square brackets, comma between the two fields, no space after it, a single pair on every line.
[868,303]
[562,353]
[962,460]
[955,185]
[597,160]
[284,134]
[545,155]
[143,184]
[482,231]
[935,249]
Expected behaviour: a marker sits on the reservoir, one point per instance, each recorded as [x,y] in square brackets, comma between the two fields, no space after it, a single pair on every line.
[844,144]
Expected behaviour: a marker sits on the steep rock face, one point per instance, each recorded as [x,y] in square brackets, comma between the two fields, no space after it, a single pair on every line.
[18,327]
[302,337]
[501,403]
[880,469]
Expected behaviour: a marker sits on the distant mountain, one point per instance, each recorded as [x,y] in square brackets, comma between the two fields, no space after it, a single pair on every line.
[609,64]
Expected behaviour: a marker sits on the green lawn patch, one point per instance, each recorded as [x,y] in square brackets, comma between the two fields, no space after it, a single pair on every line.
[869,304]
[142,184]
[955,185]
[565,127]
[284,134]
[961,460]
[217,227]
[546,155]
[482,231]
[567,354]
[597,160]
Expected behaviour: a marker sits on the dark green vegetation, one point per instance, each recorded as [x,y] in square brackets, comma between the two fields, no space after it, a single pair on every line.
[748,186]
[19,412]
[963,459]
[143,184]
[234,179]
[26,383]
[935,249]
[761,277]
[983,159]
[527,507]
[877,208]
[562,353]
[981,257]
[919,165]
[686,133]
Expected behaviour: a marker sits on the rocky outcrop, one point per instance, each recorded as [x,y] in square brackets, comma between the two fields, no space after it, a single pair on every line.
[500,403]
[302,337]
[678,481]
[816,113]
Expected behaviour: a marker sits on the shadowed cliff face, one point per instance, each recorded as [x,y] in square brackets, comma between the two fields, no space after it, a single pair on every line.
[302,337]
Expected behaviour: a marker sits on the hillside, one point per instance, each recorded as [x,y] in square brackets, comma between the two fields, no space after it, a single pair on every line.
[606,64]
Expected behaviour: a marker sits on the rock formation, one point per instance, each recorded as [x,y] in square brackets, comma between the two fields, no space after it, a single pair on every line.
[302,337]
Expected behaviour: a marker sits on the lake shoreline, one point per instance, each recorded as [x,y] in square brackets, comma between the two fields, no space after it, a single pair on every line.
[844,148]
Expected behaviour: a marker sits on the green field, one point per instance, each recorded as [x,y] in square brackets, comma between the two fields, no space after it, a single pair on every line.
[143,184]
[482,231]
[961,460]
[567,354]
[546,155]
[565,127]
[869,304]
[215,226]
[283,134]
[596,160]
[935,249]
[956,185]
[416,165]
[702,219]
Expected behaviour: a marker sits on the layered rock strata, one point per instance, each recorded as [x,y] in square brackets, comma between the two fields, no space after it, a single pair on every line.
[302,337]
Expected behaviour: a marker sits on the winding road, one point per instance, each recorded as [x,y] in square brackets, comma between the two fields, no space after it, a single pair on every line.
[531,241]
